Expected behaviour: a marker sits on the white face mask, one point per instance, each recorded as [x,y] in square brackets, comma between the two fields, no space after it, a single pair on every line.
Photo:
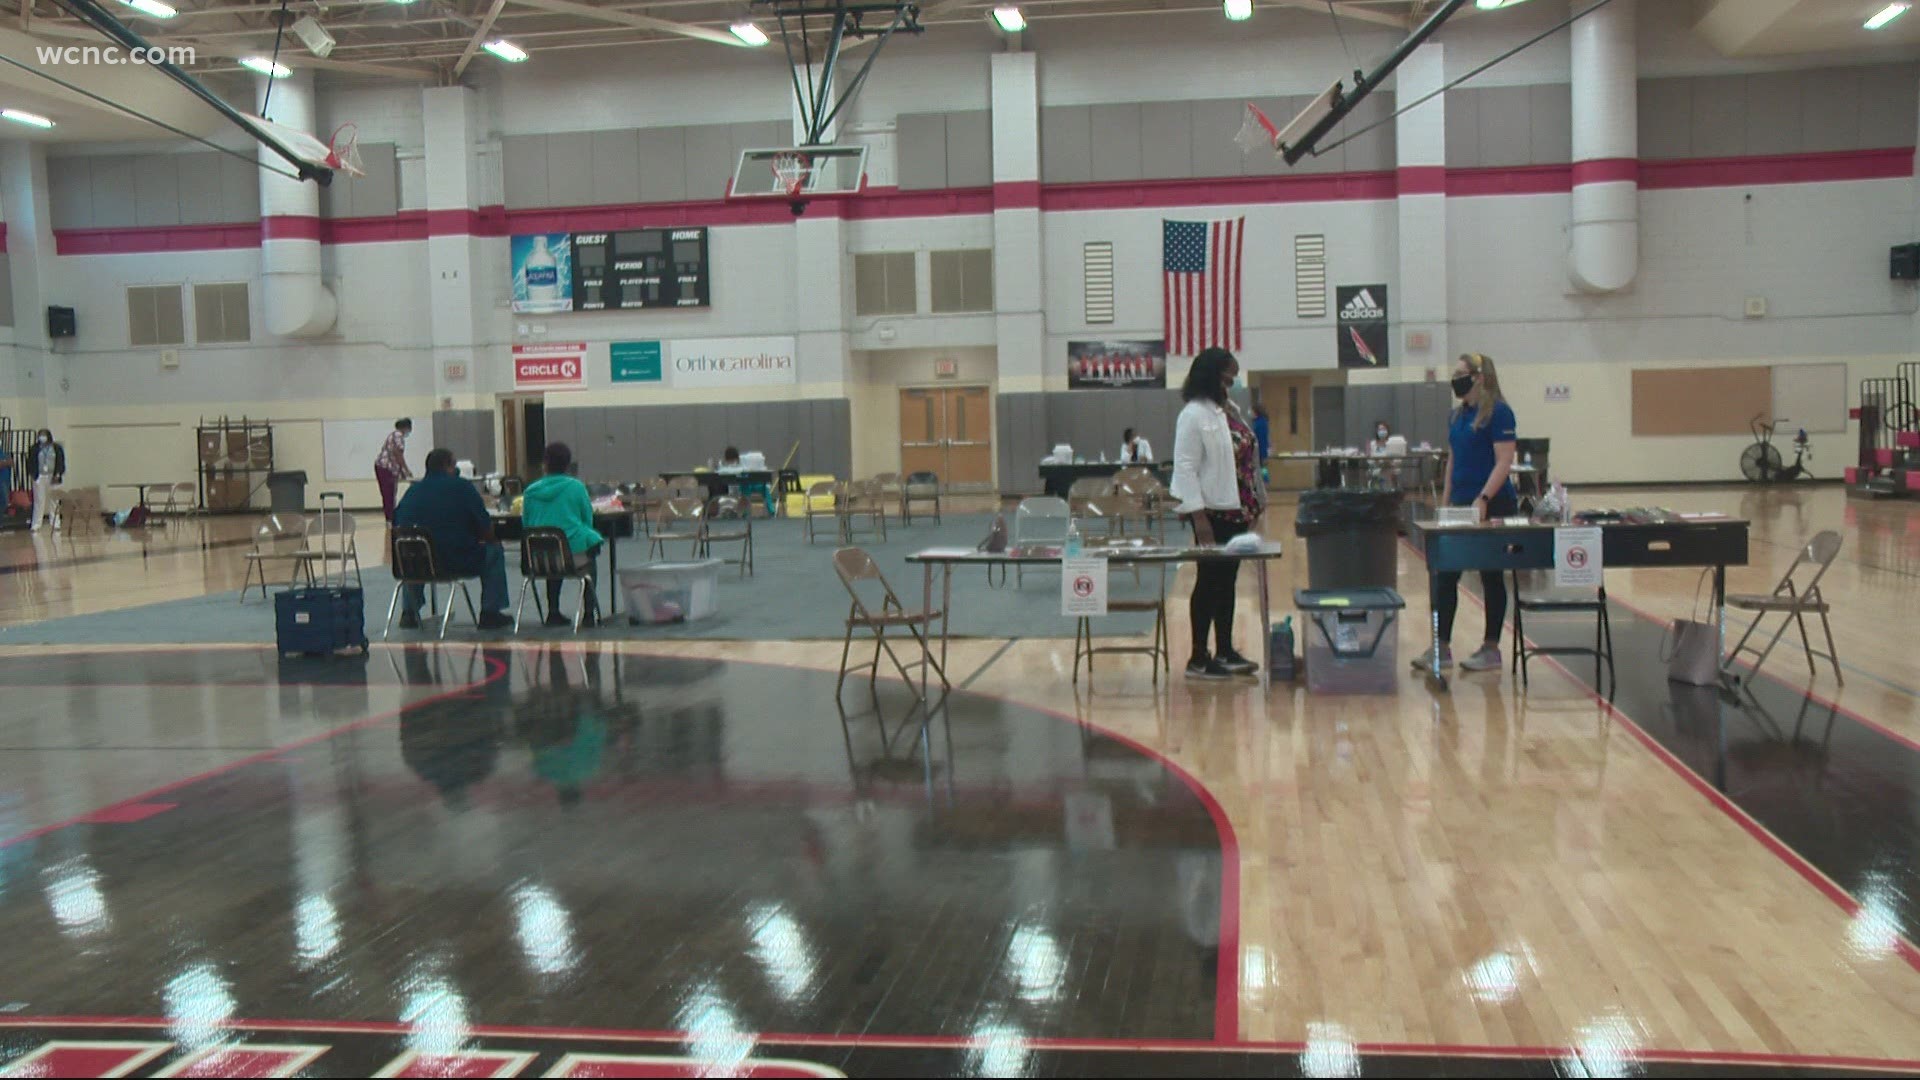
[1380,433]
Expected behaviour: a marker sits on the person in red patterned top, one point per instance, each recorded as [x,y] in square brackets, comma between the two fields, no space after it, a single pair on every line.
[391,466]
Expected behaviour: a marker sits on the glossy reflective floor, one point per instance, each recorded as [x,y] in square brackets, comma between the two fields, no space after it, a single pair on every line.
[528,860]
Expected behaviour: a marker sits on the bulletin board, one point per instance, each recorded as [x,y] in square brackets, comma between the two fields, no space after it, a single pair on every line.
[1701,401]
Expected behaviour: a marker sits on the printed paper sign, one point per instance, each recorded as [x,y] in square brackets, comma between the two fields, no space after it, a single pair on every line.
[735,362]
[1083,586]
[550,366]
[1576,558]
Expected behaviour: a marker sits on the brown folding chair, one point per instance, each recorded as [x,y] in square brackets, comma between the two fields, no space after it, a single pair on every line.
[1794,602]
[890,489]
[821,501]
[862,499]
[279,538]
[879,609]
[678,518]
[728,520]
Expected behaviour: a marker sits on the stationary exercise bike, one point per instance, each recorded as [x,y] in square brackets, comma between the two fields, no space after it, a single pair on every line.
[1761,462]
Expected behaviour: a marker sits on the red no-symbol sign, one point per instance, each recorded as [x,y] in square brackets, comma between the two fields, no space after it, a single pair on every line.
[1083,586]
[1577,558]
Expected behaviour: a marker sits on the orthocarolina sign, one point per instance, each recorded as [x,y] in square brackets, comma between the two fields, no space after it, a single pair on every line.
[734,362]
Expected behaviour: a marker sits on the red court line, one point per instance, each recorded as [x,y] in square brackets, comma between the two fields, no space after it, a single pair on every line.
[940,1042]
[495,670]
[1814,876]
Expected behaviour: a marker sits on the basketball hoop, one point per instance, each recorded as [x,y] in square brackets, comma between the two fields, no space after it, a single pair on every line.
[792,170]
[1257,131]
[344,150]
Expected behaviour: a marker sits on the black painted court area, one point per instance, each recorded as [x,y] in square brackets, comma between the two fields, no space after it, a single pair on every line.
[621,843]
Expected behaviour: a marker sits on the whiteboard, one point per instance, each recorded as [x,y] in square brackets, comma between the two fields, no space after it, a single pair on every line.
[1811,396]
[350,446]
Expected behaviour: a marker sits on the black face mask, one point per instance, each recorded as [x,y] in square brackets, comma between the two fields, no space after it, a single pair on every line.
[1462,384]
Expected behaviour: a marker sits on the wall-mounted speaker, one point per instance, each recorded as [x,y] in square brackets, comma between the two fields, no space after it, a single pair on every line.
[60,322]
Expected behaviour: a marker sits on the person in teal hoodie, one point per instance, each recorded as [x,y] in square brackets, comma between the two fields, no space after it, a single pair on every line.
[559,500]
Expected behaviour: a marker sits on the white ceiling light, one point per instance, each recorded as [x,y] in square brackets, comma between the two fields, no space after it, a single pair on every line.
[1010,19]
[265,66]
[1886,15]
[506,50]
[20,116]
[151,7]
[1489,5]
[749,33]
[1239,10]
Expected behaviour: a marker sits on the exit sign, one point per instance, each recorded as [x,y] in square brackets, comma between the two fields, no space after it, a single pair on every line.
[456,370]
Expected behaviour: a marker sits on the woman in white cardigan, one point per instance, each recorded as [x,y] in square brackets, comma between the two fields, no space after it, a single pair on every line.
[1216,478]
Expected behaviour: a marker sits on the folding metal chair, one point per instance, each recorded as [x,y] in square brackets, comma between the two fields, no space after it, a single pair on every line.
[414,563]
[678,518]
[728,520]
[546,556]
[856,568]
[1794,602]
[1039,519]
[920,487]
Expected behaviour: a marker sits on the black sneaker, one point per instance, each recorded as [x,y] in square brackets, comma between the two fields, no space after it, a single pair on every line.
[1235,664]
[1209,670]
[409,622]
[494,620]
[555,618]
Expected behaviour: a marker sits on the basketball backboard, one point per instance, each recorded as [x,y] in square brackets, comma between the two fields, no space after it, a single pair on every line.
[799,172]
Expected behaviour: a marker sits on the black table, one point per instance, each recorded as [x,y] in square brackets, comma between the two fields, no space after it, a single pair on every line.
[611,524]
[1708,542]
[720,483]
[1058,478]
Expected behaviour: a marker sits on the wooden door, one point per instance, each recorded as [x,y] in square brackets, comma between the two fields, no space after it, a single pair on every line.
[969,439]
[948,430]
[510,436]
[1289,402]
[923,419]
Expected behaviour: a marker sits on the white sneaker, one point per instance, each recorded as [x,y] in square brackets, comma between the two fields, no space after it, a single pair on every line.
[1487,659]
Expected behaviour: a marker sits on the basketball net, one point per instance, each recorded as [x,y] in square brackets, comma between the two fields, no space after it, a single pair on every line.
[791,171]
[1257,131]
[344,150]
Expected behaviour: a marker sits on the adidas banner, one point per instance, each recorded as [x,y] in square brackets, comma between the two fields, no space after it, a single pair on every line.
[1362,325]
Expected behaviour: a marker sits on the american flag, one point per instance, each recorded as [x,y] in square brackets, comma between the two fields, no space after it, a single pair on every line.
[1201,286]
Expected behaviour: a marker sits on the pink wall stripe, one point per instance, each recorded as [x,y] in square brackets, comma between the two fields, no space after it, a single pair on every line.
[290,227]
[1606,171]
[884,203]
[1421,180]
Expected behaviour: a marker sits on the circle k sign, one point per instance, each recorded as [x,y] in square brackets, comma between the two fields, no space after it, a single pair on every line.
[550,366]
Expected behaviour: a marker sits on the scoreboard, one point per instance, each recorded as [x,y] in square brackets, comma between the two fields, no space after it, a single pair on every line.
[640,268]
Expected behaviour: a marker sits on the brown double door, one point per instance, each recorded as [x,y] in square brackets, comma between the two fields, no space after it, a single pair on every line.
[948,430]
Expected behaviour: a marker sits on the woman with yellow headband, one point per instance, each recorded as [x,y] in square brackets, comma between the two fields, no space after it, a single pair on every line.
[1481,435]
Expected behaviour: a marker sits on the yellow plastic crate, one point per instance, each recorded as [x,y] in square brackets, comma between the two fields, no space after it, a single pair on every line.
[796,505]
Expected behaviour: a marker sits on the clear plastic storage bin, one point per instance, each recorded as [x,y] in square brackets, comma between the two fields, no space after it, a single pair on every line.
[669,592]
[1351,639]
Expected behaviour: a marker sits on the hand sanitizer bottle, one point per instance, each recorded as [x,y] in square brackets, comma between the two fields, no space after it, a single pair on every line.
[1073,539]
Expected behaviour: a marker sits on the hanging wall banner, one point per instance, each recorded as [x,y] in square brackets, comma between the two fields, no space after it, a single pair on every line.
[542,273]
[636,361]
[1362,325]
[558,365]
[1096,365]
[734,362]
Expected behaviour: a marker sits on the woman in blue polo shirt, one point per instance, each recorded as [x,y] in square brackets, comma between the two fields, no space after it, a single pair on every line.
[1481,438]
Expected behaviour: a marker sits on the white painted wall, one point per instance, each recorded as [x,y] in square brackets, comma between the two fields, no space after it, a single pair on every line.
[1814,252]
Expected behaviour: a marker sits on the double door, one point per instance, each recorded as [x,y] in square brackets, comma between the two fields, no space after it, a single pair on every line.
[948,430]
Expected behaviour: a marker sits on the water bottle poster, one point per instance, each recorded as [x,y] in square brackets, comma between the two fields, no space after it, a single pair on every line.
[542,273]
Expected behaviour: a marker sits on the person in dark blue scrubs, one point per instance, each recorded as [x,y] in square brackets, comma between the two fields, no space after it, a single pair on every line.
[1481,438]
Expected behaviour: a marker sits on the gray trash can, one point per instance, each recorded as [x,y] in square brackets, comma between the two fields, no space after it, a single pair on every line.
[287,490]
[1352,538]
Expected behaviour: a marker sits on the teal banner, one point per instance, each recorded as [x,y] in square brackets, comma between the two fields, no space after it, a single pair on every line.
[636,361]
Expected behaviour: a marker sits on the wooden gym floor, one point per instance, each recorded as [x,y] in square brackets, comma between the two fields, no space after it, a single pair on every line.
[529,859]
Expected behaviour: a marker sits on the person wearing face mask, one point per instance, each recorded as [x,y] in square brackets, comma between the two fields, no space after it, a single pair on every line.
[1481,437]
[1135,450]
[1216,480]
[46,467]
[1381,433]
